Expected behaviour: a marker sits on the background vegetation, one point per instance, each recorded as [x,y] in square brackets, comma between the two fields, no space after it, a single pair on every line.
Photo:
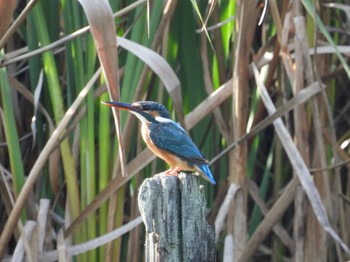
[61,179]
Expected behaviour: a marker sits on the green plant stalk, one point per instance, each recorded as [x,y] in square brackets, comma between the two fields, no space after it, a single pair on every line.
[310,28]
[12,140]
[118,222]
[74,58]
[58,110]
[226,30]
[35,66]
[131,77]
[104,166]
[77,77]
[91,171]
[215,73]
[83,177]
[191,75]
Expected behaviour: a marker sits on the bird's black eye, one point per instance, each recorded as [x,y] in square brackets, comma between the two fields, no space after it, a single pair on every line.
[146,107]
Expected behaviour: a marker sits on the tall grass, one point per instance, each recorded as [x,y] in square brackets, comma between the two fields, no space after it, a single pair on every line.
[205,78]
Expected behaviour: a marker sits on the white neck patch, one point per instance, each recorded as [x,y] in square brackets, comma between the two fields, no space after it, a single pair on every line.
[163,119]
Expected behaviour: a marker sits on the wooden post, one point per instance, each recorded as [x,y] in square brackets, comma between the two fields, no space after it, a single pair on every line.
[173,211]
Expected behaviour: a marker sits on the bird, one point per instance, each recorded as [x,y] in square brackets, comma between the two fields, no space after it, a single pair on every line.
[167,139]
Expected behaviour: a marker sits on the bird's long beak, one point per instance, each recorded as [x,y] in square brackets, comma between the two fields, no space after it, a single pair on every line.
[143,116]
[121,105]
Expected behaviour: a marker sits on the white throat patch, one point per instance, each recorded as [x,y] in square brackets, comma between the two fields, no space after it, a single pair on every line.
[163,119]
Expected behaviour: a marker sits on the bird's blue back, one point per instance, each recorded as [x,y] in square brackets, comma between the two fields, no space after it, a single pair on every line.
[172,138]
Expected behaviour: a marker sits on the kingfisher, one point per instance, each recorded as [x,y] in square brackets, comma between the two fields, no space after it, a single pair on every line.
[167,139]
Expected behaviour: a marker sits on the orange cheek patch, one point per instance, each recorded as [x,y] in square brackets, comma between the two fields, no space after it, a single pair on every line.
[153,113]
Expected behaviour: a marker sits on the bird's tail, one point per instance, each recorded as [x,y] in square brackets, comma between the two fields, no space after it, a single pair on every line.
[206,173]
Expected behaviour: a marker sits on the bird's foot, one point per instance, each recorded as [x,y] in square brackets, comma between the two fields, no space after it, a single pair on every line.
[172,171]
[167,172]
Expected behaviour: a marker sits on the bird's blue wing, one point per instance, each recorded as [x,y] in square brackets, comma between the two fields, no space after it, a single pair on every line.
[171,137]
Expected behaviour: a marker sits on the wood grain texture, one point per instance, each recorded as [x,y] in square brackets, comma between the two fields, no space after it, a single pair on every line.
[173,211]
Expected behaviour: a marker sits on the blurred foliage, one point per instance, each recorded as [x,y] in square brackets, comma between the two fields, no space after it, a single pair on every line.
[84,161]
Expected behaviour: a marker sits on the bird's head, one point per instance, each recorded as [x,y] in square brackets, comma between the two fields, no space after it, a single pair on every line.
[146,111]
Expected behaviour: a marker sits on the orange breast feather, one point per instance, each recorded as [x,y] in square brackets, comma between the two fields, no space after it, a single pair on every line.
[171,159]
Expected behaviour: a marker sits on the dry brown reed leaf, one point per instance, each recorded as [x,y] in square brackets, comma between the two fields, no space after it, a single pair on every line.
[315,233]
[62,254]
[278,229]
[6,189]
[224,208]
[6,10]
[299,224]
[229,249]
[44,208]
[321,50]
[300,167]
[344,7]
[339,151]
[284,201]
[18,254]
[208,104]
[300,98]
[92,244]
[213,100]
[159,65]
[301,129]
[344,222]
[245,25]
[270,220]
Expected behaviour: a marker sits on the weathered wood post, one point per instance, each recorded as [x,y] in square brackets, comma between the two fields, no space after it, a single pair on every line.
[173,211]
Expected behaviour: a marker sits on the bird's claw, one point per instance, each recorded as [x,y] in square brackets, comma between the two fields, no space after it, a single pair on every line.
[171,172]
